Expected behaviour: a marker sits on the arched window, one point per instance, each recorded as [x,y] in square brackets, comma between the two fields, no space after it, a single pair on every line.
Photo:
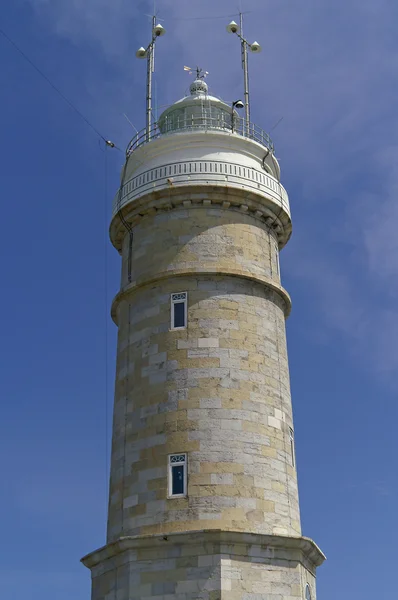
[308,592]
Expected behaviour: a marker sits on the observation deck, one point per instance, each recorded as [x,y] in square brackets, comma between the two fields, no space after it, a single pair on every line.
[222,122]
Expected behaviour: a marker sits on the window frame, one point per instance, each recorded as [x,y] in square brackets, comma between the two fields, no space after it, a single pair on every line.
[170,474]
[277,261]
[174,299]
[308,594]
[292,449]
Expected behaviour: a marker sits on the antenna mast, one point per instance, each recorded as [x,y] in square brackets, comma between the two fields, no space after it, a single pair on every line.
[149,54]
[150,71]
[245,68]
[245,45]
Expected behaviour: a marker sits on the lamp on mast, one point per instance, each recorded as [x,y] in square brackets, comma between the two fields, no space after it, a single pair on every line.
[255,48]
[149,53]
[235,104]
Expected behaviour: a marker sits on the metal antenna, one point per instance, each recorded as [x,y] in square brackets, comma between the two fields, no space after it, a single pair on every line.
[149,54]
[245,73]
[150,71]
[245,45]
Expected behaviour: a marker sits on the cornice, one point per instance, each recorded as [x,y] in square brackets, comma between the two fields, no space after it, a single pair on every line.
[239,541]
[206,272]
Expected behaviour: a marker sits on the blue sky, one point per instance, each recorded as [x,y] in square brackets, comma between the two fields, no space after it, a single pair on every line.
[330,70]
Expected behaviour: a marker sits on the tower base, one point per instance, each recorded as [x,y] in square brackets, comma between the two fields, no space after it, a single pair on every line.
[209,564]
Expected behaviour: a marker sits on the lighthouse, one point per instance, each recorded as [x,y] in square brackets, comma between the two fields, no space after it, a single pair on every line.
[203,499]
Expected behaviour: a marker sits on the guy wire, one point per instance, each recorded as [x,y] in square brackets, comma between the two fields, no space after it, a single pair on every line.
[106,328]
[56,89]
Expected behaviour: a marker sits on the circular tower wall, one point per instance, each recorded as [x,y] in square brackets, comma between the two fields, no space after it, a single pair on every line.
[217,390]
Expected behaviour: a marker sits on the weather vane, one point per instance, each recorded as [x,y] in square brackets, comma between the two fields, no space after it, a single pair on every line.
[200,73]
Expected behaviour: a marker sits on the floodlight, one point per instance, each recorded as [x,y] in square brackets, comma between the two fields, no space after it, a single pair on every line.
[232,27]
[255,47]
[238,104]
[159,30]
[141,53]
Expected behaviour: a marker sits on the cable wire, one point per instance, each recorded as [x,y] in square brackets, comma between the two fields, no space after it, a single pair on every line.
[106,326]
[56,89]
[208,18]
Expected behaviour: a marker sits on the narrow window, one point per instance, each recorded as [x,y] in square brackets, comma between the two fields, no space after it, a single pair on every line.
[291,437]
[278,269]
[177,475]
[179,303]
[308,592]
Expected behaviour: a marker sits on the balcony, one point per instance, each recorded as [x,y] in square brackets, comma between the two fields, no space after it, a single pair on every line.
[228,123]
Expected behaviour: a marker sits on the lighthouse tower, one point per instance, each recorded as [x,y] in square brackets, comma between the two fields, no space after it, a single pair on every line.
[203,498]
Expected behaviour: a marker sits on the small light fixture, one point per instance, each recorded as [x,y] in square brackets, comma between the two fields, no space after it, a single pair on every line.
[141,53]
[255,47]
[159,30]
[232,27]
[238,104]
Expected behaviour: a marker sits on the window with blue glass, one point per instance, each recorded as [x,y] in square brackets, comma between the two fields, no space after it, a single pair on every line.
[177,475]
[179,304]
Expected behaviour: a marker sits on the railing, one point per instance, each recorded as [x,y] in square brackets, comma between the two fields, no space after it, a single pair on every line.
[223,122]
[202,172]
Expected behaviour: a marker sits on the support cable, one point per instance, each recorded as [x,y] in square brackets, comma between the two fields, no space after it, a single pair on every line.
[57,90]
[210,18]
[106,316]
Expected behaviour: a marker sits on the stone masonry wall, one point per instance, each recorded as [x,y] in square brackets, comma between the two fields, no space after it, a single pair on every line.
[200,238]
[201,568]
[217,390]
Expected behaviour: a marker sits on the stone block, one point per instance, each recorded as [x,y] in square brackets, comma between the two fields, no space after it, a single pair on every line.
[208,342]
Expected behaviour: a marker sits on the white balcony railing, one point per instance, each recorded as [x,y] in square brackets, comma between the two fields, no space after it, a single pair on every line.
[227,123]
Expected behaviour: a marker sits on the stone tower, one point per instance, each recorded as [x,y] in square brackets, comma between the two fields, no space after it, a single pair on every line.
[203,496]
